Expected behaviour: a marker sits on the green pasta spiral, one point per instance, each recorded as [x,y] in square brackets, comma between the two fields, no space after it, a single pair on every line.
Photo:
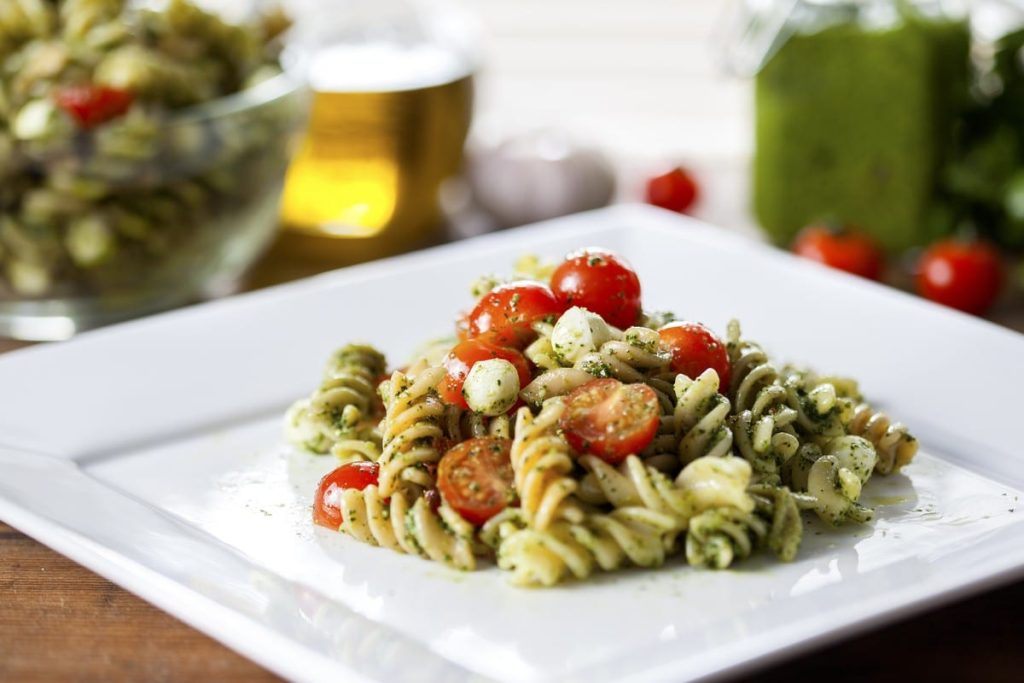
[345,406]
[719,536]
[633,358]
[763,418]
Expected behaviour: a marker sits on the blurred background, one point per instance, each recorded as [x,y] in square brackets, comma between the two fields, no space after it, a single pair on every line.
[882,137]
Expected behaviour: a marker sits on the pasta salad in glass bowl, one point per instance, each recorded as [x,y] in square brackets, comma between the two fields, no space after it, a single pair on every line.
[564,430]
[143,148]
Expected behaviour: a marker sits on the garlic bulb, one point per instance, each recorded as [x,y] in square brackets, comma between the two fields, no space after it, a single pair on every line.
[537,176]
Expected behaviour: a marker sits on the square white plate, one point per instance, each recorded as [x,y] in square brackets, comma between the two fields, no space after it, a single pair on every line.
[151,452]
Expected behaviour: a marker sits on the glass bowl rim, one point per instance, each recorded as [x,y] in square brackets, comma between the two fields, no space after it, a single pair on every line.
[288,83]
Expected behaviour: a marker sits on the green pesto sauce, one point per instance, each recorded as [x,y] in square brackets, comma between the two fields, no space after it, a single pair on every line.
[852,125]
[888,500]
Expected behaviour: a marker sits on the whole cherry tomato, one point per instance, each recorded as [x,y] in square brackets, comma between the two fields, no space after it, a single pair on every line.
[475,478]
[353,475]
[610,419]
[91,105]
[675,190]
[507,312]
[966,275]
[847,250]
[461,359]
[601,282]
[694,349]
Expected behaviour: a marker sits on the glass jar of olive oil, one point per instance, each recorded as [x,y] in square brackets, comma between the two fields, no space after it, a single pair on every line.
[392,85]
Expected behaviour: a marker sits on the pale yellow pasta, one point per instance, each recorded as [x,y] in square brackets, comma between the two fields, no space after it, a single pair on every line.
[894,444]
[411,429]
[552,383]
[700,417]
[391,522]
[542,465]
[607,541]
[717,482]
[634,484]
[356,450]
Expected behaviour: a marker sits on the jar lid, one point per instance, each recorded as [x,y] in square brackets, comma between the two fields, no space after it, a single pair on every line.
[758,30]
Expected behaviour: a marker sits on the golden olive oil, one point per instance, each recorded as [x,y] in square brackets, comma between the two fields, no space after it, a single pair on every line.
[387,127]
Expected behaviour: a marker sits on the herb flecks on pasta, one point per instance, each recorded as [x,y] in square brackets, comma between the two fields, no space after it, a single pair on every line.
[560,444]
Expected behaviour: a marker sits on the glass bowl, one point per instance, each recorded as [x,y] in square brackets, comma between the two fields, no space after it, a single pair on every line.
[141,214]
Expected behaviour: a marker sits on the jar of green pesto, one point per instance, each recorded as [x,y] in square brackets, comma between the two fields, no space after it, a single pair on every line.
[856,103]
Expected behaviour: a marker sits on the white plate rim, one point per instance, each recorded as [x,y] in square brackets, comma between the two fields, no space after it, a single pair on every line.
[263,644]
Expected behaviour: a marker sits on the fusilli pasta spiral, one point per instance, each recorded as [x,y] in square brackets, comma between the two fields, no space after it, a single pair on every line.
[769,516]
[821,413]
[629,359]
[894,444]
[634,484]
[700,417]
[391,522]
[718,537]
[763,417]
[605,540]
[834,477]
[344,407]
[411,429]
[542,465]
[460,425]
[553,383]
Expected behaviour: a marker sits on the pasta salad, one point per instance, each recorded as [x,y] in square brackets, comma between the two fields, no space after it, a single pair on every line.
[565,430]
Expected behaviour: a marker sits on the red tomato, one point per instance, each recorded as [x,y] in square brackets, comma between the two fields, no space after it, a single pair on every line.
[91,105]
[353,475]
[694,349]
[466,354]
[508,311]
[602,283]
[848,250]
[476,479]
[675,190]
[964,275]
[610,419]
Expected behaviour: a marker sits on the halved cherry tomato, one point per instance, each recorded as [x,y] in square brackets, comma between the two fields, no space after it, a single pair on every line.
[465,355]
[964,275]
[675,190]
[476,478]
[91,105]
[508,311]
[610,419]
[694,349]
[844,249]
[353,475]
[602,283]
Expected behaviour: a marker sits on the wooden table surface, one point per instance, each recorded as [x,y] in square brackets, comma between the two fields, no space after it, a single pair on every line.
[61,622]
